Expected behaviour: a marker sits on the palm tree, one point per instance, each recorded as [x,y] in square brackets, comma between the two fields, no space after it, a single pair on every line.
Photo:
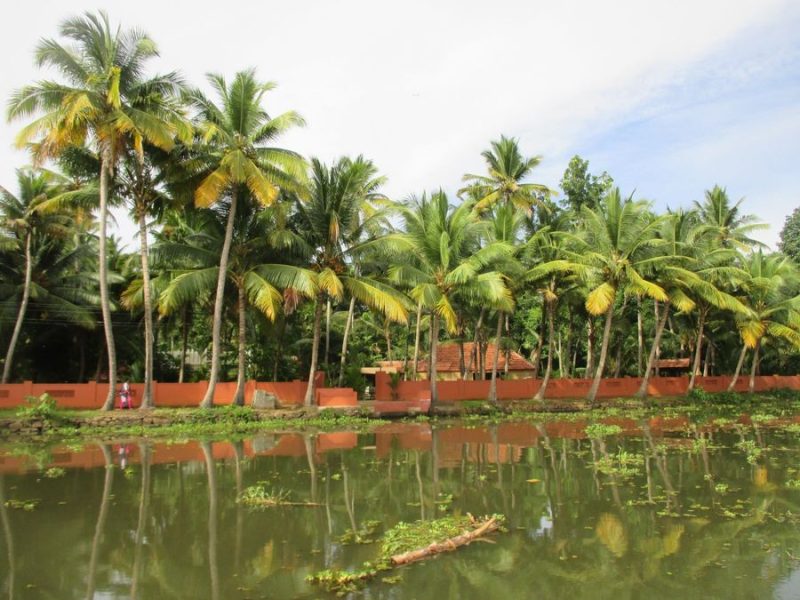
[614,252]
[102,98]
[233,155]
[62,252]
[686,274]
[335,232]
[254,262]
[446,264]
[507,223]
[25,224]
[504,184]
[553,276]
[726,223]
[775,309]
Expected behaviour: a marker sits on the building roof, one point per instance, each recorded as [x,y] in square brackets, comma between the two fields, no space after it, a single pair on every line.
[448,359]
[672,363]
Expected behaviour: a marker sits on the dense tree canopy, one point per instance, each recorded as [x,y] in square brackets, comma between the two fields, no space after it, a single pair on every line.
[255,261]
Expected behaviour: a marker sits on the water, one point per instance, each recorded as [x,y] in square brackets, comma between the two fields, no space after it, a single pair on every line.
[661,512]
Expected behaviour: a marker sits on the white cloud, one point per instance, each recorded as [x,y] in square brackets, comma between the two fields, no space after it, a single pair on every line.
[422,87]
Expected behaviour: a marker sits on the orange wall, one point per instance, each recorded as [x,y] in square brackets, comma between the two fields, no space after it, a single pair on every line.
[92,395]
[518,389]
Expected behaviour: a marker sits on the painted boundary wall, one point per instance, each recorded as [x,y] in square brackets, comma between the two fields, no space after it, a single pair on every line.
[292,393]
[172,395]
[520,389]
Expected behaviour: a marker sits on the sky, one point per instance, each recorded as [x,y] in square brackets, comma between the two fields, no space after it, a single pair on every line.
[669,97]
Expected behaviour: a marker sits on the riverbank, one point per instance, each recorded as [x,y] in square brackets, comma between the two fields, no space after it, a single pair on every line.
[43,420]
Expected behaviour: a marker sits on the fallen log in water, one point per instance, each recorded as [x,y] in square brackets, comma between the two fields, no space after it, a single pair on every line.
[481,529]
[406,543]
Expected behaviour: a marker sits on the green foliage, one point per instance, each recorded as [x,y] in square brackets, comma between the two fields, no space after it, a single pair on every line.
[54,473]
[26,505]
[581,188]
[790,236]
[623,464]
[258,495]
[601,430]
[43,407]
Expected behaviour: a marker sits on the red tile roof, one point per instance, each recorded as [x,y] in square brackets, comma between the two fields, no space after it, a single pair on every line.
[672,363]
[448,359]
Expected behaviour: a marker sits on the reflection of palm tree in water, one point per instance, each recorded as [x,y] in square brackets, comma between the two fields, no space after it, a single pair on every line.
[9,539]
[238,455]
[101,519]
[212,519]
[144,505]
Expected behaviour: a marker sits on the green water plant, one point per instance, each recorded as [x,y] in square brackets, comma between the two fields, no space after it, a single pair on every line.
[601,430]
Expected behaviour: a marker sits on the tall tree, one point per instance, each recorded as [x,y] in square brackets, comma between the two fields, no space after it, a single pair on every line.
[614,252]
[789,242]
[335,231]
[26,226]
[255,262]
[233,155]
[102,97]
[445,263]
[731,228]
[581,188]
[505,183]
[771,295]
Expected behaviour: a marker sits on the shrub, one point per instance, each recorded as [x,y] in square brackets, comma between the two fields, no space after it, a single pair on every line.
[43,407]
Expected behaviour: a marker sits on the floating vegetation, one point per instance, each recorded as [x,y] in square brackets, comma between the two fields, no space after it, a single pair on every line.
[601,430]
[54,472]
[623,464]
[22,504]
[751,449]
[259,496]
[762,418]
[362,536]
[410,542]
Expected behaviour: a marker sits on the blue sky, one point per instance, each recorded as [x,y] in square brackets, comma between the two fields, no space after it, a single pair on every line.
[732,119]
[668,96]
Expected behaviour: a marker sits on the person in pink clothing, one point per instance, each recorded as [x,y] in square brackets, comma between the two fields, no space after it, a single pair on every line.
[125,396]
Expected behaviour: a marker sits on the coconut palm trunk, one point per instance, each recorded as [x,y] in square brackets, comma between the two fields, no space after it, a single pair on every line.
[739,365]
[238,397]
[639,337]
[601,362]
[101,521]
[473,356]
[211,474]
[147,395]
[328,311]
[589,348]
[105,300]
[549,369]
[9,542]
[23,307]
[184,343]
[219,302]
[698,351]
[651,359]
[507,351]
[496,359]
[144,503]
[345,339]
[536,359]
[432,374]
[754,368]
[312,376]
[417,337]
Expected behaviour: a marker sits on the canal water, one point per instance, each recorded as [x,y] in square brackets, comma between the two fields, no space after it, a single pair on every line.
[644,509]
